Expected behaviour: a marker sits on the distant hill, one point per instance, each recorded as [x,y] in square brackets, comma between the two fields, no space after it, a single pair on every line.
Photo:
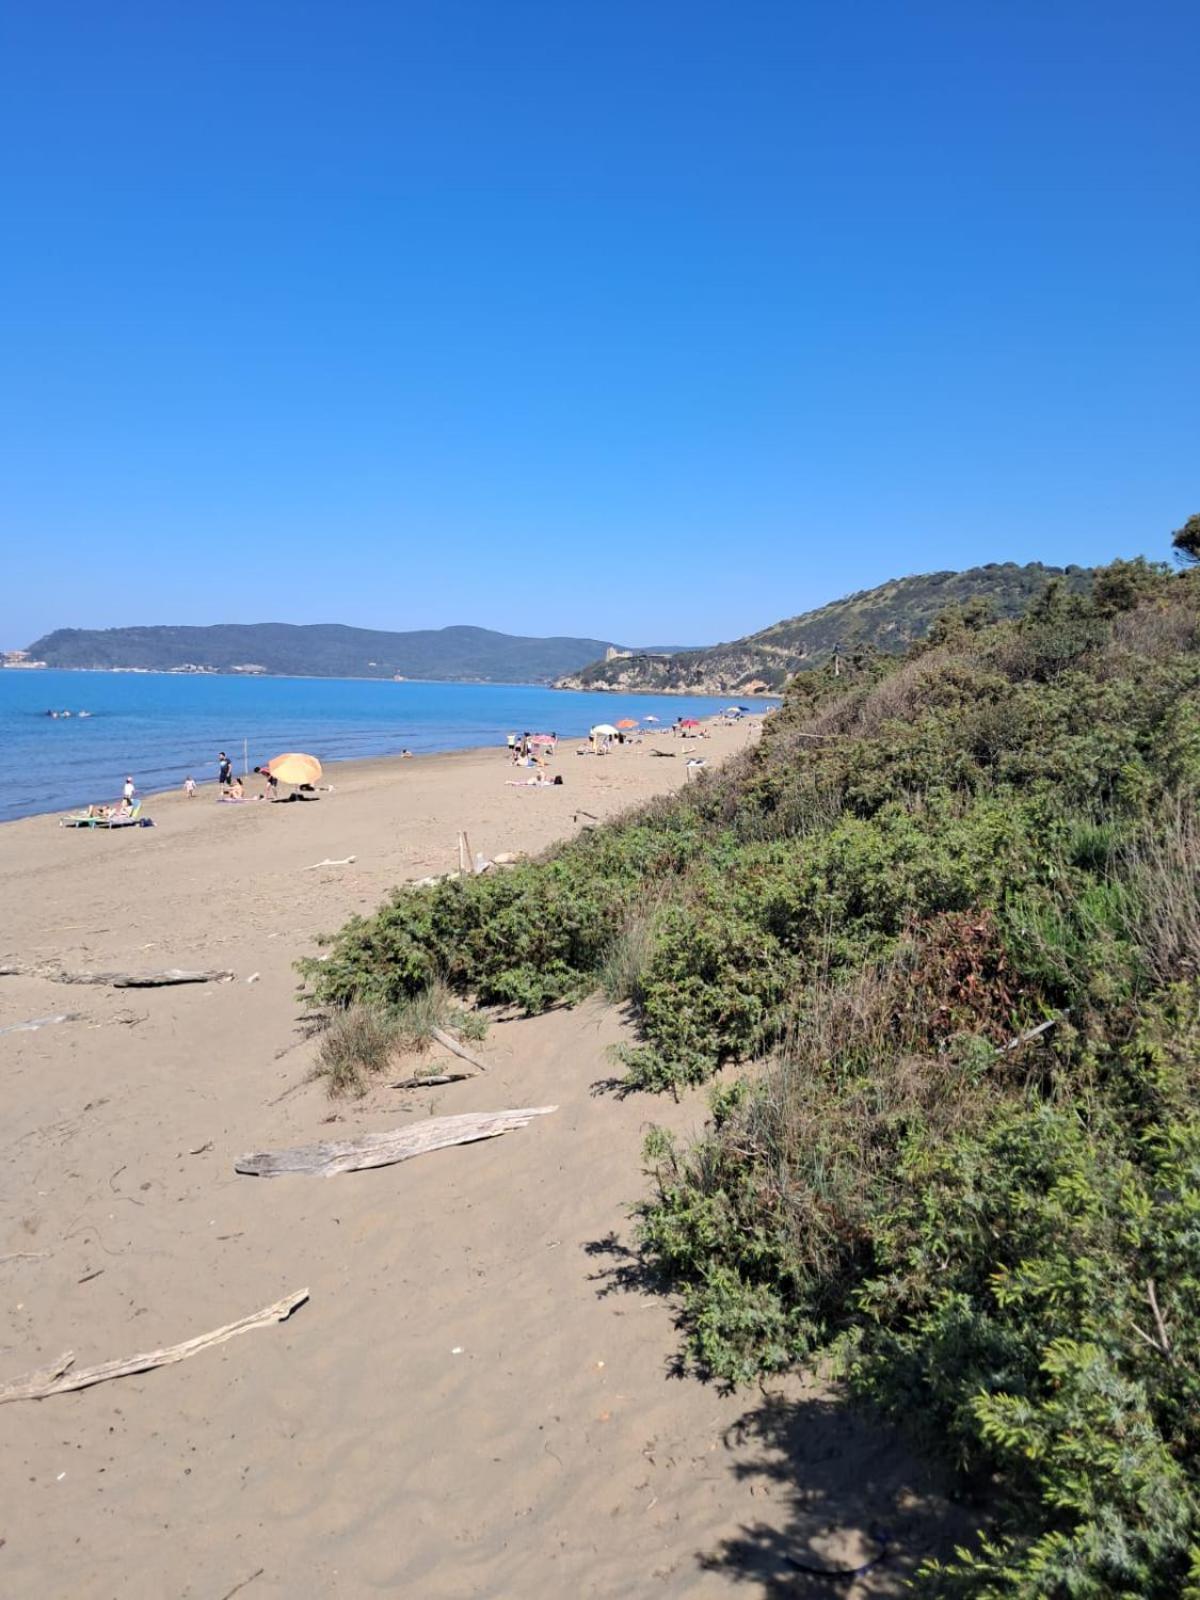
[322,650]
[887,618]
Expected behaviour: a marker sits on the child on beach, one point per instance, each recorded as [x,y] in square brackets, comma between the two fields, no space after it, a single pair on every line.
[189,787]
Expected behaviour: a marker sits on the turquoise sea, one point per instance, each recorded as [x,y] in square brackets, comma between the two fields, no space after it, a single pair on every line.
[160,726]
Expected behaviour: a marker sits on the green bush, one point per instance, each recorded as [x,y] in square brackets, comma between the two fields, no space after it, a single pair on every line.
[994,1230]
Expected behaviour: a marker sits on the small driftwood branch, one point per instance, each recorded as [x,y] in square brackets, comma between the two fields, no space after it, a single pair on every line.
[1150,1340]
[344,861]
[1034,1033]
[238,1587]
[40,1022]
[1159,1321]
[57,1378]
[385,1149]
[449,1042]
[25,1255]
[430,1082]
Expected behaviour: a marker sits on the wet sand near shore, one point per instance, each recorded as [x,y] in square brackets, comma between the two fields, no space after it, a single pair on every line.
[479,1397]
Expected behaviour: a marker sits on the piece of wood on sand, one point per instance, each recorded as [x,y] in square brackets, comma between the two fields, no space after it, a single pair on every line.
[429,1080]
[143,980]
[326,1160]
[449,1042]
[58,1378]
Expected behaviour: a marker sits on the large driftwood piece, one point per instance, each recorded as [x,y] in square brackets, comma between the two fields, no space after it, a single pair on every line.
[449,1042]
[142,980]
[121,980]
[385,1149]
[57,1378]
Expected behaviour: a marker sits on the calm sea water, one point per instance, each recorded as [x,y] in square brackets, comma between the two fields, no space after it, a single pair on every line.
[161,727]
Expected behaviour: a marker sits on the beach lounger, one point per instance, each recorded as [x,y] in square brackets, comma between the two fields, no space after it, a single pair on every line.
[82,820]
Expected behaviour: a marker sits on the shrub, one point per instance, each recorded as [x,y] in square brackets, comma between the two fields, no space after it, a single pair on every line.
[996,1233]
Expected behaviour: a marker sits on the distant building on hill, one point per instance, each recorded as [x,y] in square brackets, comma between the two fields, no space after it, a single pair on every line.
[18,658]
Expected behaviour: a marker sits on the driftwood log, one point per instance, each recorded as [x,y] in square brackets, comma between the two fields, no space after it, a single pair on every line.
[120,980]
[141,980]
[58,1378]
[449,1042]
[385,1149]
[431,1081]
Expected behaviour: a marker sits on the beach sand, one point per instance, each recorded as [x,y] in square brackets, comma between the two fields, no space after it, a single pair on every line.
[479,1397]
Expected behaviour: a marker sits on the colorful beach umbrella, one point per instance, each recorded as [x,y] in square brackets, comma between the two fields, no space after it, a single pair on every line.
[542,738]
[689,722]
[627,722]
[294,768]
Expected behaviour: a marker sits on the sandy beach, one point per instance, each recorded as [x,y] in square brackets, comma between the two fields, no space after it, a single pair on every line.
[479,1397]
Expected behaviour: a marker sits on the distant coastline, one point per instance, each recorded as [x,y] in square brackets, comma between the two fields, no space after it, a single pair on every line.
[459,653]
[607,691]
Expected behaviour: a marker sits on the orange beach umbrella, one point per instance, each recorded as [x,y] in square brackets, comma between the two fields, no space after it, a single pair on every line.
[294,768]
[627,722]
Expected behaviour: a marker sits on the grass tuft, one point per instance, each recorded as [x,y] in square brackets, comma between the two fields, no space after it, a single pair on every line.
[362,1040]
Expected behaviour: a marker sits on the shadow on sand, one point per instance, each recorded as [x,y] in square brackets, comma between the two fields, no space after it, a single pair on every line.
[848,1507]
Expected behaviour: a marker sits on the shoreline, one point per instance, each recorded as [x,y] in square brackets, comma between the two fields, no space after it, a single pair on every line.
[392,756]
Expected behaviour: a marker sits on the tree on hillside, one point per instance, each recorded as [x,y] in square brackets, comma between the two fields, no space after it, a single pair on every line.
[1122,585]
[1186,541]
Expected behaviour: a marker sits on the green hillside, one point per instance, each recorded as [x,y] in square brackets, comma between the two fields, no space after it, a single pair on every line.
[887,618]
[322,650]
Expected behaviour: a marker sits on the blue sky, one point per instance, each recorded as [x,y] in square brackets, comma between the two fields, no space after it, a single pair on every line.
[649,321]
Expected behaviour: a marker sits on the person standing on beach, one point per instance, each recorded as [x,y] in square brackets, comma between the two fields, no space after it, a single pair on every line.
[127,792]
[224,770]
[189,787]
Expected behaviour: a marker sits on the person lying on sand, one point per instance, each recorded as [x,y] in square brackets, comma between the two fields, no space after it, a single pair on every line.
[234,794]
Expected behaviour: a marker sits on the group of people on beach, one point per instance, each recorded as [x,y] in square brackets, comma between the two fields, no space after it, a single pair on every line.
[533,750]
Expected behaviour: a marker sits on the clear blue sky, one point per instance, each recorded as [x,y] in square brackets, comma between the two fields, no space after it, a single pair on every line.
[647,320]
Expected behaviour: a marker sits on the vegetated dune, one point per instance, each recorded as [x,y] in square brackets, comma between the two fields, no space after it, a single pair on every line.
[950,906]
